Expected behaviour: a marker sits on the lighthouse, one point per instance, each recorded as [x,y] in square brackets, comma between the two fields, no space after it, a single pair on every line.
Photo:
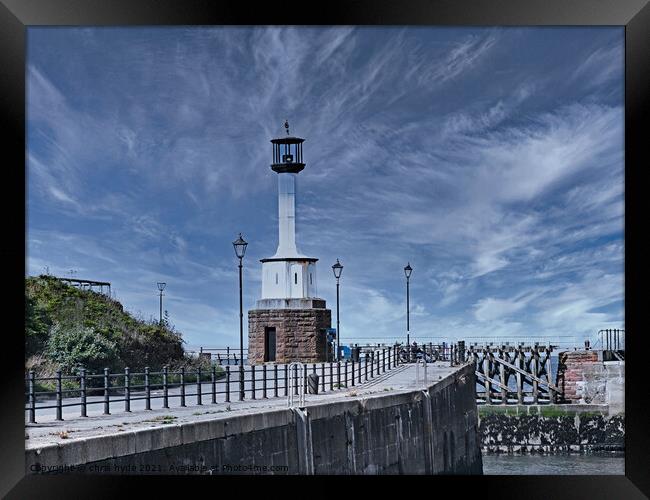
[290,321]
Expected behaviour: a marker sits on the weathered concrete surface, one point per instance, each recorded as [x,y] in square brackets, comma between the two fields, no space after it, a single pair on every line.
[550,429]
[423,429]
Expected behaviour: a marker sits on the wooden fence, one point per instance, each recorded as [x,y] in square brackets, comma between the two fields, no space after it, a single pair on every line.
[514,375]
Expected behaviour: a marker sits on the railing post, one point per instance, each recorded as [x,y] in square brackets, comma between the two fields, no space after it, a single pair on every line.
[32,398]
[383,360]
[182,386]
[227,383]
[372,364]
[331,376]
[519,363]
[502,376]
[533,369]
[59,397]
[264,381]
[252,381]
[199,398]
[352,372]
[165,387]
[346,373]
[304,379]
[147,389]
[365,366]
[286,380]
[242,389]
[295,380]
[547,361]
[389,358]
[213,380]
[322,376]
[486,373]
[106,386]
[359,370]
[82,389]
[275,380]
[127,391]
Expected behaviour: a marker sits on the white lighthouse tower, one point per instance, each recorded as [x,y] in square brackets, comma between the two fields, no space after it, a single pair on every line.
[288,274]
[289,321]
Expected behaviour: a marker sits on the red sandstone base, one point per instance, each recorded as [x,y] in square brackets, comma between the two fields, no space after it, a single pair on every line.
[300,335]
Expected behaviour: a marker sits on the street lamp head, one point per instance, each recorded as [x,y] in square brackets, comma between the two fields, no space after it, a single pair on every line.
[338,269]
[407,270]
[240,246]
[161,286]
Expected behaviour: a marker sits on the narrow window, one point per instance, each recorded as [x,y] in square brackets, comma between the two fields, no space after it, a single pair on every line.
[295,278]
[310,280]
[276,278]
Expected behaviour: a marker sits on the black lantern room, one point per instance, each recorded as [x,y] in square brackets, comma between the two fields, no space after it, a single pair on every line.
[287,153]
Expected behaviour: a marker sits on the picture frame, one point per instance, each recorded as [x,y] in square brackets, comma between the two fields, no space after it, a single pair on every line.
[17,15]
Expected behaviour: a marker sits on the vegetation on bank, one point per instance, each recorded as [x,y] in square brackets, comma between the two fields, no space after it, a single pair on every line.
[67,328]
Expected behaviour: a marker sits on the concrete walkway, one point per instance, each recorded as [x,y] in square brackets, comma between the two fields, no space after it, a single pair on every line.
[49,431]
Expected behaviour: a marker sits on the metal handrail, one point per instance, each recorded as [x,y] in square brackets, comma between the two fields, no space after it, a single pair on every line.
[419,362]
[297,384]
[126,387]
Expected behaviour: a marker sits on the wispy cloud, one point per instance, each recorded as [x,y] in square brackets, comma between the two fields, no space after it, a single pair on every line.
[491,159]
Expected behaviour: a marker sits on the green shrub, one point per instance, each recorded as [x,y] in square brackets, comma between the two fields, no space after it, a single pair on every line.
[73,346]
[37,325]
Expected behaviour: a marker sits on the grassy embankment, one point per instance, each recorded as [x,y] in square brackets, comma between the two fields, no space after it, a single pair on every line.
[67,328]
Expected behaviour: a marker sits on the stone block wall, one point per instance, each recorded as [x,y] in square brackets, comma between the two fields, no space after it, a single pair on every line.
[586,379]
[571,372]
[298,334]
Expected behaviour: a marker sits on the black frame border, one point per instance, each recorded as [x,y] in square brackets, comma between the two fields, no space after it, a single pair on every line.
[17,15]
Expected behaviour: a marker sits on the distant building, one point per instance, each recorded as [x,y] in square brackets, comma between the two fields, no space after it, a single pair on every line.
[289,322]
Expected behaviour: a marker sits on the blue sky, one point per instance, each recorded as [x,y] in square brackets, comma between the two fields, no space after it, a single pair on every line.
[491,159]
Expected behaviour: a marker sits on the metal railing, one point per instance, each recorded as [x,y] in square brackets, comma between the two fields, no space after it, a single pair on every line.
[612,339]
[451,352]
[221,355]
[265,381]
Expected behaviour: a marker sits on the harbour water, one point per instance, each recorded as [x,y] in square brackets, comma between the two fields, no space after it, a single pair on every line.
[566,464]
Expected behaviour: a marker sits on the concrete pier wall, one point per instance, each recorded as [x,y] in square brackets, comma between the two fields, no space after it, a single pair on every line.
[433,431]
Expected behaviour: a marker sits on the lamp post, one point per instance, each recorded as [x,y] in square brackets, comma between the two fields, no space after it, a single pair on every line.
[240,249]
[161,287]
[407,272]
[338,269]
